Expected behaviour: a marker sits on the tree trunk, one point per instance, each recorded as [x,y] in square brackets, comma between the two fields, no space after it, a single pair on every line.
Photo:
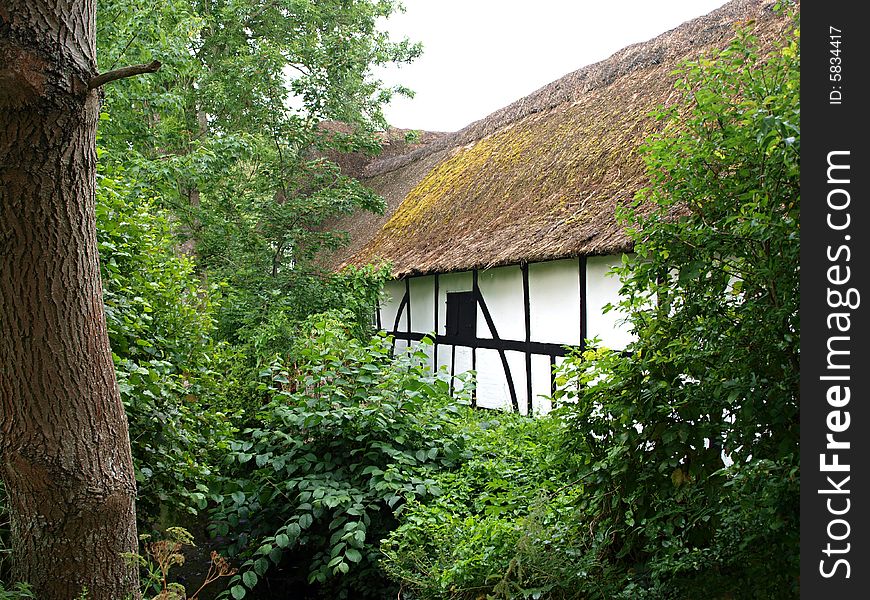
[64,446]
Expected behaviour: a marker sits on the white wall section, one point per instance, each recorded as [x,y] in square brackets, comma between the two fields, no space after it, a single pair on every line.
[602,288]
[540,384]
[422,304]
[554,297]
[492,388]
[502,290]
[555,314]
[393,293]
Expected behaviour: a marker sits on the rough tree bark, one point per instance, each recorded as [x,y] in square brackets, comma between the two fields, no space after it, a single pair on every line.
[64,446]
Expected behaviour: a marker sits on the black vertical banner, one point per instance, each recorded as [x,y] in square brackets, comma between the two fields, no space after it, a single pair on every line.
[835,300]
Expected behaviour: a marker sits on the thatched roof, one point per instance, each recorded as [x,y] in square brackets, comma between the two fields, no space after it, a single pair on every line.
[538,179]
[394,142]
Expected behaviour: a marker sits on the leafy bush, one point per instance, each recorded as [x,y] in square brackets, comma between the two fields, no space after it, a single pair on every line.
[356,291]
[502,528]
[713,378]
[159,317]
[16,592]
[273,331]
[351,434]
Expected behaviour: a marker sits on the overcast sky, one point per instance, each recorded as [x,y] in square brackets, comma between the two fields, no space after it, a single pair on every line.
[480,55]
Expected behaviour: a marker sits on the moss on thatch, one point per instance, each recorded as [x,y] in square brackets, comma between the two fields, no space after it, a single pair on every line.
[539,179]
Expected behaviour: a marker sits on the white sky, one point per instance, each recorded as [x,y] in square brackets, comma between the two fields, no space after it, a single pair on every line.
[481,55]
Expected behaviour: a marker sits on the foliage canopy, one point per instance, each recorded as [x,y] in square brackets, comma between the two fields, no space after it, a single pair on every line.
[230,133]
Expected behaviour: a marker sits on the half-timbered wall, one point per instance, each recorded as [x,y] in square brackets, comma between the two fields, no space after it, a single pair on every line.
[525,315]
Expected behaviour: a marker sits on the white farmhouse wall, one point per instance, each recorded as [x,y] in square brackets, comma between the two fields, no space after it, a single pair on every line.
[602,288]
[554,299]
[517,363]
[422,303]
[464,360]
[540,384]
[445,357]
[492,388]
[502,288]
[555,315]
[422,291]
[393,293]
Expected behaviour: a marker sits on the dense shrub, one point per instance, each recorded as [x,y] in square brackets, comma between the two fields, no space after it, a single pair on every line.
[160,321]
[17,591]
[502,528]
[692,437]
[350,435]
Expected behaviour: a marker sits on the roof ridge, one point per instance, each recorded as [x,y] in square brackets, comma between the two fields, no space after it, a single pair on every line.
[571,86]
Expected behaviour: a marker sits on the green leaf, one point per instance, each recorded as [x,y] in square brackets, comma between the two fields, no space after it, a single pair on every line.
[261,565]
[249,578]
[238,592]
[293,530]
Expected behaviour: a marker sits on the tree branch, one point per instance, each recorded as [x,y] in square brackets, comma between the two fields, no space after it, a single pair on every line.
[121,73]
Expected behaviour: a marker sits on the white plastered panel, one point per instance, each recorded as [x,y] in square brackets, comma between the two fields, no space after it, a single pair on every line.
[463,360]
[517,363]
[393,293]
[444,356]
[540,384]
[492,389]
[422,304]
[502,291]
[554,300]
[602,288]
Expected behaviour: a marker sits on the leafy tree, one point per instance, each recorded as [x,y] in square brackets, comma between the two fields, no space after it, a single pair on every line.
[230,132]
[65,455]
[160,320]
[216,113]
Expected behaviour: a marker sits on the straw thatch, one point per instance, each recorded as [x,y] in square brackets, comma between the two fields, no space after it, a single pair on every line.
[540,178]
[394,142]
